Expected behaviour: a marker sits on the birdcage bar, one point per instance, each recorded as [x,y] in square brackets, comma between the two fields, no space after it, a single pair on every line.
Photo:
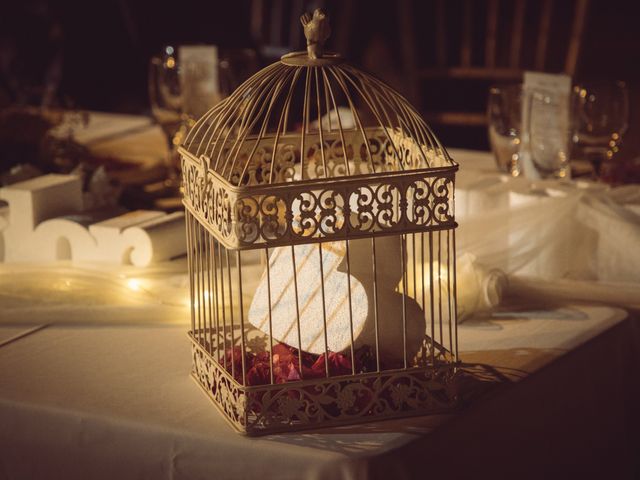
[351,345]
[297,301]
[422,277]
[198,264]
[190,256]
[204,279]
[375,303]
[455,293]
[449,268]
[241,312]
[214,298]
[205,269]
[199,305]
[440,285]
[231,316]
[266,251]
[432,317]
[192,265]
[403,241]
[202,304]
[324,312]
[220,271]
[202,267]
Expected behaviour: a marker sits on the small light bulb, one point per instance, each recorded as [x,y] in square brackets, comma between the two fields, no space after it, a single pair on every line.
[133,284]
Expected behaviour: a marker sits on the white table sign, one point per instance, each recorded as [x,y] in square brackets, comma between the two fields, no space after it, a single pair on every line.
[35,232]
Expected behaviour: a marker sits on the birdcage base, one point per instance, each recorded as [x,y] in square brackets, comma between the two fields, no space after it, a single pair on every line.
[317,403]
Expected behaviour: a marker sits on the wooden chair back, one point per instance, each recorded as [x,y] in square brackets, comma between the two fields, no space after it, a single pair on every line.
[517,35]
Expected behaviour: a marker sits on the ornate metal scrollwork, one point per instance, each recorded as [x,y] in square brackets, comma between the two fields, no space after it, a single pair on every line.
[294,213]
[327,401]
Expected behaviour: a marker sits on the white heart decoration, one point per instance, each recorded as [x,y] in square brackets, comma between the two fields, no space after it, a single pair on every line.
[281,285]
[277,290]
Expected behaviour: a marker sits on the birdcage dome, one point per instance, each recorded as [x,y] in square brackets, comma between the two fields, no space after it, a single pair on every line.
[302,119]
[312,148]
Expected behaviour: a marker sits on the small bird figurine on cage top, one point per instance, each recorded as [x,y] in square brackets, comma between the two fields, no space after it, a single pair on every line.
[317,30]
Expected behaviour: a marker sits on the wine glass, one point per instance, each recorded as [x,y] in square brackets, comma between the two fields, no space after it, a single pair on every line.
[165,96]
[504,119]
[600,114]
[184,83]
[548,132]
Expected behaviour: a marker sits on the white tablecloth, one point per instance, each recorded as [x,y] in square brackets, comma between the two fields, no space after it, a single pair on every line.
[94,401]
[94,369]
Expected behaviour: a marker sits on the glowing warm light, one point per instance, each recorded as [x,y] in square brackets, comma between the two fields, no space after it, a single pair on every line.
[171,62]
[615,136]
[440,272]
[134,284]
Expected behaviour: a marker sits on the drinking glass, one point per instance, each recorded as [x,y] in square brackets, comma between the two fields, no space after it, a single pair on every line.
[600,113]
[166,102]
[186,82]
[504,118]
[165,93]
[548,133]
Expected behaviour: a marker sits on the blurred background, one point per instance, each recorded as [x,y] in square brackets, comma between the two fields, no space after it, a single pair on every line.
[443,55]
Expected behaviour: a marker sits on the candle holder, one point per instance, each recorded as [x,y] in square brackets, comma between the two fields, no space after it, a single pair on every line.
[321,249]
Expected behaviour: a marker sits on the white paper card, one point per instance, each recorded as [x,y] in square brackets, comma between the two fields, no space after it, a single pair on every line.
[199,80]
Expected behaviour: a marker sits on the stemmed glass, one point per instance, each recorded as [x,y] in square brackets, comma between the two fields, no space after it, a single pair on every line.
[165,96]
[548,133]
[600,113]
[504,119]
[183,86]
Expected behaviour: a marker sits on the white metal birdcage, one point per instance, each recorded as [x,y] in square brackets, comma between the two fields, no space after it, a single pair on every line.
[321,249]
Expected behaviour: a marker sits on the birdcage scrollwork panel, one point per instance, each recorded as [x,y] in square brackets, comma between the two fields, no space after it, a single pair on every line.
[295,213]
[229,397]
[207,197]
[331,401]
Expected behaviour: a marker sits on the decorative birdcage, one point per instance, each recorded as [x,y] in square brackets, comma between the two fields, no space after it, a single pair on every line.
[321,249]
